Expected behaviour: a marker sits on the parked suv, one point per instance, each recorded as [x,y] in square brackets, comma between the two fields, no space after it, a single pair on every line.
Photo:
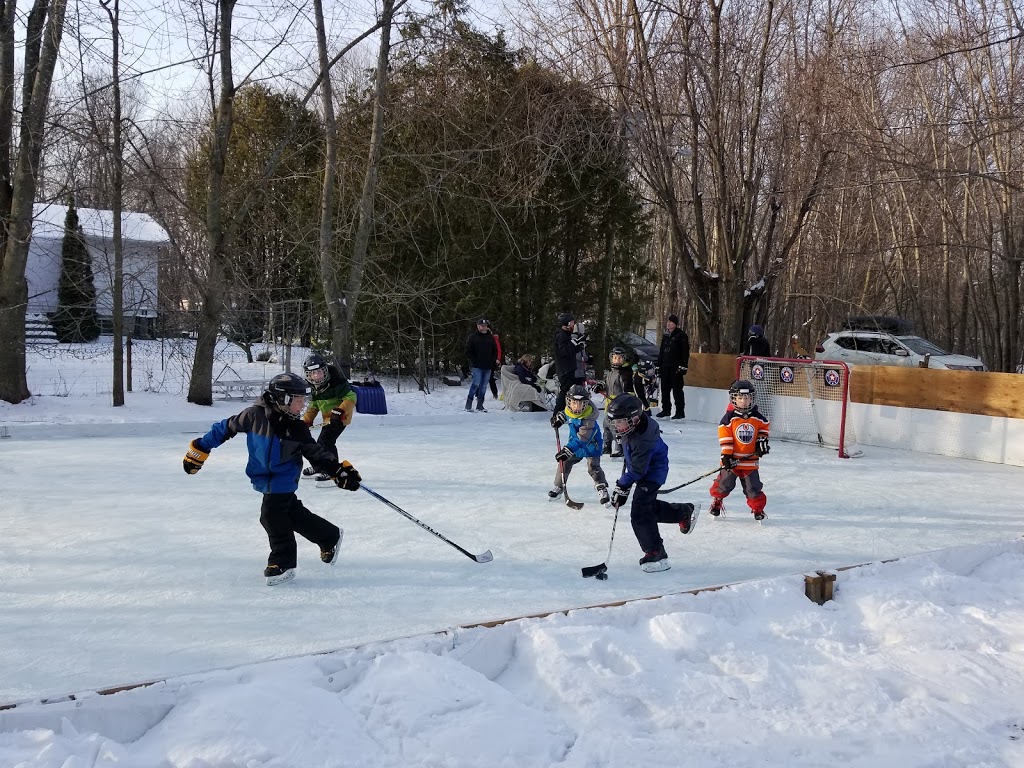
[888,342]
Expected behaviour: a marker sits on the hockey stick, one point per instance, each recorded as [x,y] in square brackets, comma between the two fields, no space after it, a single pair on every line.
[690,482]
[485,557]
[577,505]
[601,571]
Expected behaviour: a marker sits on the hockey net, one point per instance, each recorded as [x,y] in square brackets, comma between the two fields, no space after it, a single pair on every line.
[805,400]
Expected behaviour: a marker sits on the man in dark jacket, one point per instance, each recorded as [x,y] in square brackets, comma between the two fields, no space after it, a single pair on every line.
[757,344]
[482,353]
[566,346]
[673,361]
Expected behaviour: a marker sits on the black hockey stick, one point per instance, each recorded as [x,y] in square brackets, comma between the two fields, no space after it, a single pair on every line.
[577,505]
[485,557]
[601,571]
[690,482]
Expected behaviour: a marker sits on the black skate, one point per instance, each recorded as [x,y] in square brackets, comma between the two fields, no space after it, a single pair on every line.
[555,492]
[717,508]
[689,518]
[330,556]
[602,494]
[759,516]
[309,473]
[277,575]
[654,561]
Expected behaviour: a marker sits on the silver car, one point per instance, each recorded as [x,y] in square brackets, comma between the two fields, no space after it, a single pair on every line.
[866,347]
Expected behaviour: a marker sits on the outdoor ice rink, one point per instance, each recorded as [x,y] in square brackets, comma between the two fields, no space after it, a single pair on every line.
[120,568]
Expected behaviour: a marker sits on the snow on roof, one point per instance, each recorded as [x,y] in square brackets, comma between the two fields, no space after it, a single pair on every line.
[48,221]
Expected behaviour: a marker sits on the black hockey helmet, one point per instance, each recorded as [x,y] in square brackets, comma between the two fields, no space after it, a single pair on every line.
[624,414]
[742,387]
[315,367]
[618,352]
[565,318]
[577,398]
[284,388]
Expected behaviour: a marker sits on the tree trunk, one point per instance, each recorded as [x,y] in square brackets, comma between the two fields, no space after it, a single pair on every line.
[346,307]
[200,390]
[20,189]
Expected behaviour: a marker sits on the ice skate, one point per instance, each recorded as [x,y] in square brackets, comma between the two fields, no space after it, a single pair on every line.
[277,575]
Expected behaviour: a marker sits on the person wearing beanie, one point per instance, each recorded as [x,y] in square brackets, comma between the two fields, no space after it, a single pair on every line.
[566,344]
[757,345]
[673,361]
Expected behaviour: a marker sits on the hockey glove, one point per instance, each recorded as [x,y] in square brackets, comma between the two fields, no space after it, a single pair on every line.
[682,370]
[729,461]
[565,454]
[558,419]
[619,495]
[347,478]
[762,446]
[194,457]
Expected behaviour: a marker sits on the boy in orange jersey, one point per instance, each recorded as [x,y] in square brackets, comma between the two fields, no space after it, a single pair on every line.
[743,437]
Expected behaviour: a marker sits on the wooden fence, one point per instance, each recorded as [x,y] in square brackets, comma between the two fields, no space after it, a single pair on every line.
[934,389]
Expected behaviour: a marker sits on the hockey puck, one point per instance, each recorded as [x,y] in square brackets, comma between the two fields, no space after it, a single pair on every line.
[601,576]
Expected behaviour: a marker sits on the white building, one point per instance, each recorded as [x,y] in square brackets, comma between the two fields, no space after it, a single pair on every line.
[143,243]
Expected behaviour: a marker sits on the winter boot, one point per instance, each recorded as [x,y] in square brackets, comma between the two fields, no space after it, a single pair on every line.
[602,494]
[555,492]
[679,415]
[469,403]
[330,556]
[717,508]
[277,575]
[480,406]
[654,560]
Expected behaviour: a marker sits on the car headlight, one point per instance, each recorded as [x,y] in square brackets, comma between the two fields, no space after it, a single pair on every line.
[966,367]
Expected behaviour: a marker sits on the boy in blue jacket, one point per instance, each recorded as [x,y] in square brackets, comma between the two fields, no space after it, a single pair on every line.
[645,465]
[277,440]
[584,442]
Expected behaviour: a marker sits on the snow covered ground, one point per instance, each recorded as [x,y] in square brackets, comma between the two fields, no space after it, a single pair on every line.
[119,568]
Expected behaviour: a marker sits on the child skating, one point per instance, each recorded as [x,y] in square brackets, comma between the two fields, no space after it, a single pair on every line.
[743,439]
[278,440]
[645,465]
[584,442]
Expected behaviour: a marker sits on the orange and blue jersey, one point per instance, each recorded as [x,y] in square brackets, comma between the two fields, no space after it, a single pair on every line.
[737,437]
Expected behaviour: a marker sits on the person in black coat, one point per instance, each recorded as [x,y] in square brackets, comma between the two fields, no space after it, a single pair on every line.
[673,362]
[566,345]
[482,353]
[757,344]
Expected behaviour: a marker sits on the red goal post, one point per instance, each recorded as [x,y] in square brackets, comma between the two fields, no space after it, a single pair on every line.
[805,400]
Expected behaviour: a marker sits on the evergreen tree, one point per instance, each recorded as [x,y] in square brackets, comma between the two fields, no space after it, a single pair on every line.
[75,320]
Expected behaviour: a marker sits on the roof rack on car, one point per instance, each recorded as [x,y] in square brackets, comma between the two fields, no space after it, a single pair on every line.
[894,325]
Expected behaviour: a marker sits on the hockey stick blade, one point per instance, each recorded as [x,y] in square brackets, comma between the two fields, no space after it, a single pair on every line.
[593,570]
[577,505]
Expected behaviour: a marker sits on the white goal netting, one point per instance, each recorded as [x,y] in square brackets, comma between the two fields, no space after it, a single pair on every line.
[805,400]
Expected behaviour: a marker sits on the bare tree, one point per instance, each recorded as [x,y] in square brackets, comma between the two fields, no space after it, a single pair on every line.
[45,25]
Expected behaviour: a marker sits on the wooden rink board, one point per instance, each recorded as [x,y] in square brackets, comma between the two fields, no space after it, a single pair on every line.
[933,389]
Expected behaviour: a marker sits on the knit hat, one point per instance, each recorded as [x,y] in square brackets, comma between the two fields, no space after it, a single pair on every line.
[673,319]
[565,318]
[756,330]
[483,321]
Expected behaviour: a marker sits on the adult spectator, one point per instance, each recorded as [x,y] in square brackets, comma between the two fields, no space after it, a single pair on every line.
[496,370]
[673,362]
[482,353]
[566,346]
[757,344]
